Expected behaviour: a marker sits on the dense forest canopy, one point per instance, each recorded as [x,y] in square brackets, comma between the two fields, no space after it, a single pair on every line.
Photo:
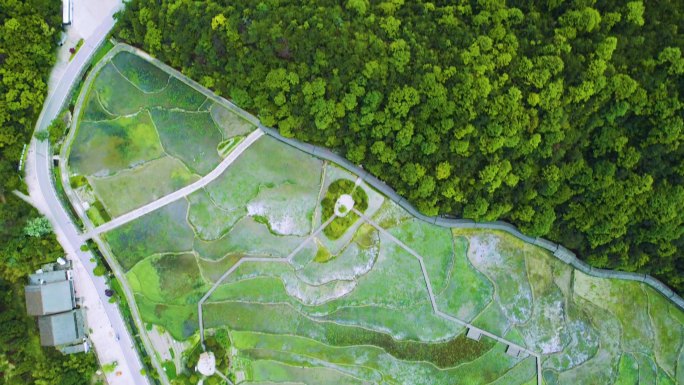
[562,117]
[28,31]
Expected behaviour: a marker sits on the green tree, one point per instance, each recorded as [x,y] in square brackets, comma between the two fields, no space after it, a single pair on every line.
[37,227]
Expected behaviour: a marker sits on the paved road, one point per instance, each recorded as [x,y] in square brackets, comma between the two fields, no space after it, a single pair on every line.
[185,191]
[44,191]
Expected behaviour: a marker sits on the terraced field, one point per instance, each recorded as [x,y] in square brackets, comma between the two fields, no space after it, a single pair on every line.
[142,134]
[321,295]
[355,309]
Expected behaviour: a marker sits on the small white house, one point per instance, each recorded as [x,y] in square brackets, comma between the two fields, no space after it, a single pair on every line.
[67,11]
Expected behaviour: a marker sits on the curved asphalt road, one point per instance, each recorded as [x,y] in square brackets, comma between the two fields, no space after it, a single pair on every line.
[71,240]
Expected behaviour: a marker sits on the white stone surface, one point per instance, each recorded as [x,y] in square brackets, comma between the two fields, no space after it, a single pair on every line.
[344,204]
[206,364]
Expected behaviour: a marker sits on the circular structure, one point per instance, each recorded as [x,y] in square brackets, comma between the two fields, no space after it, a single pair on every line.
[344,204]
[206,364]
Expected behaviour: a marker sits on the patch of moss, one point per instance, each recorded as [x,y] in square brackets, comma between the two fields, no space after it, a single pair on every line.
[444,355]
[323,255]
[179,275]
[77,181]
[97,214]
[225,147]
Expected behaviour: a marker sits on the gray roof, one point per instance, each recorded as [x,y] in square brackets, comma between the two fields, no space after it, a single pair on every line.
[80,348]
[48,277]
[49,298]
[61,329]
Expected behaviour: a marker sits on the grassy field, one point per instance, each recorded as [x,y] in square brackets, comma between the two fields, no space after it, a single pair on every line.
[144,75]
[189,136]
[590,330]
[162,231]
[105,147]
[351,305]
[355,309]
[272,188]
[142,134]
[141,185]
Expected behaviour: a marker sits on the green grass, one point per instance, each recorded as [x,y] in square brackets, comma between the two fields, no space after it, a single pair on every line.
[667,329]
[226,147]
[255,317]
[93,111]
[502,261]
[491,366]
[248,237]
[189,136]
[168,278]
[353,261]
[370,363]
[170,369]
[103,148]
[390,215]
[257,289]
[434,244]
[286,209]
[273,186]
[179,320]
[209,220]
[523,373]
[77,181]
[110,367]
[77,48]
[468,292]
[323,255]
[179,277]
[179,95]
[395,281]
[416,322]
[144,75]
[231,124]
[213,270]
[628,372]
[134,188]
[102,51]
[95,216]
[162,231]
[110,85]
[392,297]
[273,371]
[144,280]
